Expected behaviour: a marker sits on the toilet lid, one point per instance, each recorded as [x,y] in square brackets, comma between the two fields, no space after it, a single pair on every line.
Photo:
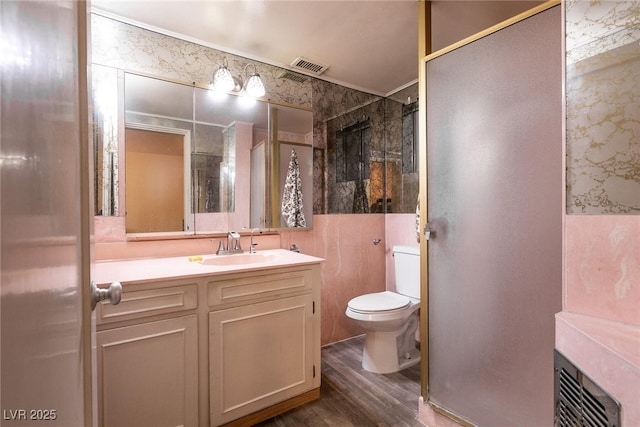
[379,301]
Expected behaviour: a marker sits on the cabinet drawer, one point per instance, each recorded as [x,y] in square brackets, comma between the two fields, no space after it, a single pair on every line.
[236,288]
[144,303]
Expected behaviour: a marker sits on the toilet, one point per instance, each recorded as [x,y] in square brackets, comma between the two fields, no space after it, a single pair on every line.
[391,318]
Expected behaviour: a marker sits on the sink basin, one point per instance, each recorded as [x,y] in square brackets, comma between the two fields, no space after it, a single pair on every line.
[239,259]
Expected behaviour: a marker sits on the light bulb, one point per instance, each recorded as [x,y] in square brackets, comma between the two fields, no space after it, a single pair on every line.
[254,86]
[223,80]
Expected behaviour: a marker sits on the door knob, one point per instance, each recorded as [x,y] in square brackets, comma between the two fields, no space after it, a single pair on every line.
[113,293]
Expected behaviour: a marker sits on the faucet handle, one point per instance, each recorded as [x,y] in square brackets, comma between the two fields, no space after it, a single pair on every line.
[233,245]
[221,249]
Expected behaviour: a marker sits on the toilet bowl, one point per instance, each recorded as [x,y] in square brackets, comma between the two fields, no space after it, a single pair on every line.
[391,319]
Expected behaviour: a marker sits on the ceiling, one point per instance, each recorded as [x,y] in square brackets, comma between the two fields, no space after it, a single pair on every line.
[368,45]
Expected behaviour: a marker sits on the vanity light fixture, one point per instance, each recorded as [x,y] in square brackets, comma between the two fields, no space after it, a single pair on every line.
[254,86]
[224,81]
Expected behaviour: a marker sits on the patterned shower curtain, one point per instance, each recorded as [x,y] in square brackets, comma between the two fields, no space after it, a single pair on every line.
[292,202]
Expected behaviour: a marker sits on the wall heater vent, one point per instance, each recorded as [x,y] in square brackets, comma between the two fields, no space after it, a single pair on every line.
[579,402]
[306,64]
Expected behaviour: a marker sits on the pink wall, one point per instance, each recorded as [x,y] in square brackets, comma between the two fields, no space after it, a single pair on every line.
[353,264]
[603,267]
[599,328]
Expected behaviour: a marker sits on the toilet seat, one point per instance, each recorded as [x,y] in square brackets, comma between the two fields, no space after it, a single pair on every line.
[379,302]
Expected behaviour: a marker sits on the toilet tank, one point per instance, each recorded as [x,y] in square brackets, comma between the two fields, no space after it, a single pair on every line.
[406,259]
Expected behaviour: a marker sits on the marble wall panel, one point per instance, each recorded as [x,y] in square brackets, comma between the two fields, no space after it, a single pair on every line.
[341,194]
[120,45]
[603,100]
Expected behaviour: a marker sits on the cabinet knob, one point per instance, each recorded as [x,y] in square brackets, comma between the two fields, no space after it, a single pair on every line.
[113,293]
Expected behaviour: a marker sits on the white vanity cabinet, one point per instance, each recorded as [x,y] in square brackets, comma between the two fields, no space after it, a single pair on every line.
[264,343]
[147,357]
[210,345]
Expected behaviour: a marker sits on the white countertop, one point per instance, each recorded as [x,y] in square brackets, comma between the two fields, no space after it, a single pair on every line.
[153,269]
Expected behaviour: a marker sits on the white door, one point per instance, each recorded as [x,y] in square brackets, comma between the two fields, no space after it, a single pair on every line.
[45,317]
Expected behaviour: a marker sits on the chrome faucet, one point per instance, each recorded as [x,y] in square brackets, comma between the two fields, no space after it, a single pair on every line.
[252,246]
[233,243]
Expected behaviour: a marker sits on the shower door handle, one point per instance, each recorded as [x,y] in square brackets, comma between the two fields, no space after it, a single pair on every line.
[427,231]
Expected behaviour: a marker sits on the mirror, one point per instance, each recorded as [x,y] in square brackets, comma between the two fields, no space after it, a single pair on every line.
[292,168]
[106,150]
[372,156]
[186,157]
[282,192]
[227,127]
[159,135]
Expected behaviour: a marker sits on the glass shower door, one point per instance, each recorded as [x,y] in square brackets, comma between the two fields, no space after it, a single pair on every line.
[494,140]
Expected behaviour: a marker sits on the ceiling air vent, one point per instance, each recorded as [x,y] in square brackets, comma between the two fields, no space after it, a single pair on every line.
[309,66]
[299,78]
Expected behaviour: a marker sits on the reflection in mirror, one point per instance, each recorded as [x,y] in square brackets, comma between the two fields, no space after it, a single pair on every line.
[226,129]
[401,134]
[156,202]
[372,156]
[296,178]
[292,163]
[357,160]
[257,186]
[158,132]
[188,156]
[185,152]
[105,140]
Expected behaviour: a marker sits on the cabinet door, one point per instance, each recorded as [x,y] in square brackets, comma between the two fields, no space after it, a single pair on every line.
[148,374]
[259,355]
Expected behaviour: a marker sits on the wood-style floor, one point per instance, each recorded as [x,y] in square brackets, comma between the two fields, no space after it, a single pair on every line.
[351,396]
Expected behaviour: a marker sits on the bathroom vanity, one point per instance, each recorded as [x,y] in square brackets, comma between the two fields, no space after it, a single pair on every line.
[231,339]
